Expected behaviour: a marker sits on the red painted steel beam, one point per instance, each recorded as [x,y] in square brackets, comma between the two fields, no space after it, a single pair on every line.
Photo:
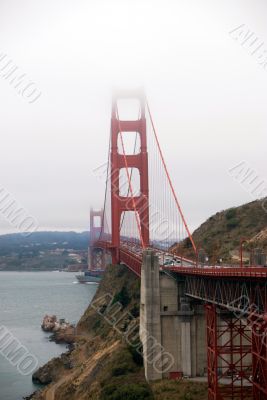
[248,272]
[259,359]
[228,356]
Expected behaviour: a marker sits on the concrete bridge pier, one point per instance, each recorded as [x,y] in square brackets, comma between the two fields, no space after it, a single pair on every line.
[150,321]
[172,327]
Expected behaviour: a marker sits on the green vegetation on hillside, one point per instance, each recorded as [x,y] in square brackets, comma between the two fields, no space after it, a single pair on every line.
[179,390]
[220,235]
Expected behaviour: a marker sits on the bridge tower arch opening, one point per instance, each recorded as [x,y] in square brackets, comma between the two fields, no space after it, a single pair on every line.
[137,202]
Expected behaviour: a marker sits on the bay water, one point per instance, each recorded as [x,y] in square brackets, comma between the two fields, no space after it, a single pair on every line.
[25,297]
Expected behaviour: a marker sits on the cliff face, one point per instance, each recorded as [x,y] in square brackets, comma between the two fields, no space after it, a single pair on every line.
[102,365]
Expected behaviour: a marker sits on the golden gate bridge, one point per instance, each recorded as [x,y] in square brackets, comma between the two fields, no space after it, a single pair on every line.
[141,211]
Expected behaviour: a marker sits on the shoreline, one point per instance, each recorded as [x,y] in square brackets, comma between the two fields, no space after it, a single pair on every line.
[37,270]
[36,295]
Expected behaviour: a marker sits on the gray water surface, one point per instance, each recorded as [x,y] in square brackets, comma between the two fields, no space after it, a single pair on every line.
[25,297]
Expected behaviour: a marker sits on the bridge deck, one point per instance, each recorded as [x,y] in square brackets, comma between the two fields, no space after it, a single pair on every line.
[131,255]
[223,271]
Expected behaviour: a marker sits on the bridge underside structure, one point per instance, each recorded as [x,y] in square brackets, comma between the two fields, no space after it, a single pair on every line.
[141,211]
[240,296]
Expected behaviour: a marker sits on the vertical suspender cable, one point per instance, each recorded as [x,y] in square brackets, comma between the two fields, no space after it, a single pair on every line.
[170,182]
[106,189]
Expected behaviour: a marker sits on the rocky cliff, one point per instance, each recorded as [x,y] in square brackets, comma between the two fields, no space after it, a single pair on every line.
[105,363]
[97,366]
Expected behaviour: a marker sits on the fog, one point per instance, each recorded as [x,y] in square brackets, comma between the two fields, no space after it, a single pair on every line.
[207,93]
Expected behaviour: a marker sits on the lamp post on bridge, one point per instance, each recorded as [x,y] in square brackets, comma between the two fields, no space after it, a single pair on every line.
[200,257]
[242,240]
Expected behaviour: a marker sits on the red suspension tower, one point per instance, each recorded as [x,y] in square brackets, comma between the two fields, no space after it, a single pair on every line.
[119,204]
[96,256]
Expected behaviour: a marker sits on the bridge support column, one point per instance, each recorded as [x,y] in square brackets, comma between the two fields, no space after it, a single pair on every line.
[186,339]
[150,324]
[172,327]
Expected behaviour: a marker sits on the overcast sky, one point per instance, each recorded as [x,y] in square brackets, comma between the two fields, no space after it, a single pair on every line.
[206,91]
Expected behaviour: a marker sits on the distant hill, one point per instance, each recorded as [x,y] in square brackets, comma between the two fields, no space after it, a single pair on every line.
[43,250]
[220,235]
[43,241]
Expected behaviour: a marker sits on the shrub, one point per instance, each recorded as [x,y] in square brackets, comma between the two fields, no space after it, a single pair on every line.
[123,369]
[232,223]
[121,271]
[135,311]
[187,243]
[131,391]
[97,324]
[122,297]
[230,213]
[137,355]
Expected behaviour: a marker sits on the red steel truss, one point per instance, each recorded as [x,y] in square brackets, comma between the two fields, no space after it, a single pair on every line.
[229,356]
[247,300]
[237,295]
[212,357]
[259,358]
